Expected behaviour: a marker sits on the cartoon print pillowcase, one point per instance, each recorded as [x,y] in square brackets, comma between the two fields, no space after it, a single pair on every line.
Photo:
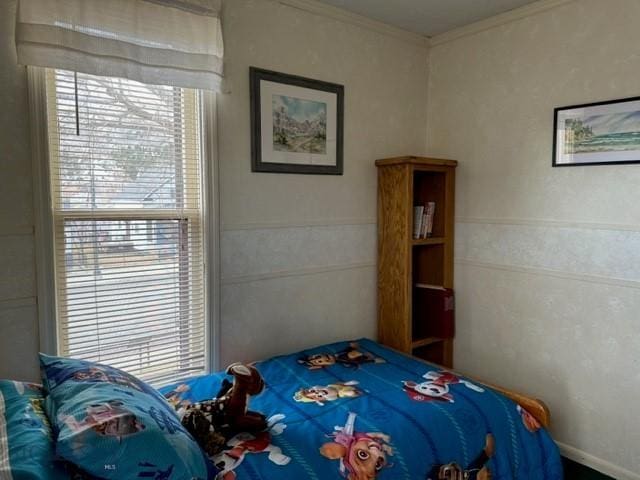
[114,426]
[26,446]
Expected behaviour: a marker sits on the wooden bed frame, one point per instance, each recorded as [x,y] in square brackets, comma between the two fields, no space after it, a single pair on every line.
[537,408]
[534,406]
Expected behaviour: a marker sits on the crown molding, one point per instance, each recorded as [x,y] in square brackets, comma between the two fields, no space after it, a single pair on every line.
[497,20]
[335,13]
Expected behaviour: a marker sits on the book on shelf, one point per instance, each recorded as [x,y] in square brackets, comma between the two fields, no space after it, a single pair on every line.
[431,210]
[434,311]
[423,220]
[418,215]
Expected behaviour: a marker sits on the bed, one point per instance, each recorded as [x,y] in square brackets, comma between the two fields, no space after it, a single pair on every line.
[359,410]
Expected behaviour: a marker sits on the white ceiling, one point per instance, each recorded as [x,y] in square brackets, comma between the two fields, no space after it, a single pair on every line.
[428,17]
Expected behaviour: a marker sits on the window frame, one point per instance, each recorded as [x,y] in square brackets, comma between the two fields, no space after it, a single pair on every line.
[44,218]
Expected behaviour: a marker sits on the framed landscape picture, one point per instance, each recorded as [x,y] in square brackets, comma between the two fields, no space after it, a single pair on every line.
[296,124]
[597,133]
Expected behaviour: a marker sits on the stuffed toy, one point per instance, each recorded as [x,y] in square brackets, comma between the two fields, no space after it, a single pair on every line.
[213,422]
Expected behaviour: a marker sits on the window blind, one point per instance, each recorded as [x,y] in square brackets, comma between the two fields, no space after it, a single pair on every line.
[125,169]
[168,42]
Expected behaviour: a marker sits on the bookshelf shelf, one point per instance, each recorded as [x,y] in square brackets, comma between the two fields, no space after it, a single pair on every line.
[425,342]
[428,241]
[412,318]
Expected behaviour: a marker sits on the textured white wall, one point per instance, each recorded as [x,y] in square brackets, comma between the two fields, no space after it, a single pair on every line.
[18,311]
[298,251]
[547,266]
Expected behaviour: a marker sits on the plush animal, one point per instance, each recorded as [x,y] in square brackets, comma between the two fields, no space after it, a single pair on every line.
[215,421]
[477,470]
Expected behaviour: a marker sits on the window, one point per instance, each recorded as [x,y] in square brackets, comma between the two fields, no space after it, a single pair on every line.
[125,169]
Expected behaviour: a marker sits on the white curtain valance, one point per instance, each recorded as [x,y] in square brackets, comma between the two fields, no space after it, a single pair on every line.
[165,42]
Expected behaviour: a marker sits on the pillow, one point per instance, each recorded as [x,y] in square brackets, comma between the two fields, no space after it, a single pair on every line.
[26,446]
[114,426]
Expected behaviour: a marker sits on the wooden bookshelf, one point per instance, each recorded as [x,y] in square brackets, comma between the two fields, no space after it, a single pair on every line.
[403,262]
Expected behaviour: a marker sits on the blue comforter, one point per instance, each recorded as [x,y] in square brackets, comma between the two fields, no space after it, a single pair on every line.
[361,411]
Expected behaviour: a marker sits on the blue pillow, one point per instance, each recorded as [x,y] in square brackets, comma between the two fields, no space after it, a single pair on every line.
[26,445]
[114,426]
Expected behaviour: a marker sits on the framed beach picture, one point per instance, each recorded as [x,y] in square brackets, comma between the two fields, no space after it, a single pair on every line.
[296,124]
[597,133]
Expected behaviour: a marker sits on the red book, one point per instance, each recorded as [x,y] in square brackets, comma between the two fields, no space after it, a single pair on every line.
[434,313]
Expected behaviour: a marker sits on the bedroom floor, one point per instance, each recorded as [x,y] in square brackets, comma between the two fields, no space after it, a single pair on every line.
[575,471]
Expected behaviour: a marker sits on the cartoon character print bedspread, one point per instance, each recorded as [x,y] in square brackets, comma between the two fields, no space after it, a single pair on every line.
[361,411]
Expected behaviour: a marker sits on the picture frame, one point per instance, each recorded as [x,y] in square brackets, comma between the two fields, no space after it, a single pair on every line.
[297,124]
[601,133]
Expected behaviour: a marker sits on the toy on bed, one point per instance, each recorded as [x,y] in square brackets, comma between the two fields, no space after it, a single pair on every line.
[213,422]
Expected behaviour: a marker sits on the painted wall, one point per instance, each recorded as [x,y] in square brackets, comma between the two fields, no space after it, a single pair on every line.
[298,251]
[547,262]
[18,311]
